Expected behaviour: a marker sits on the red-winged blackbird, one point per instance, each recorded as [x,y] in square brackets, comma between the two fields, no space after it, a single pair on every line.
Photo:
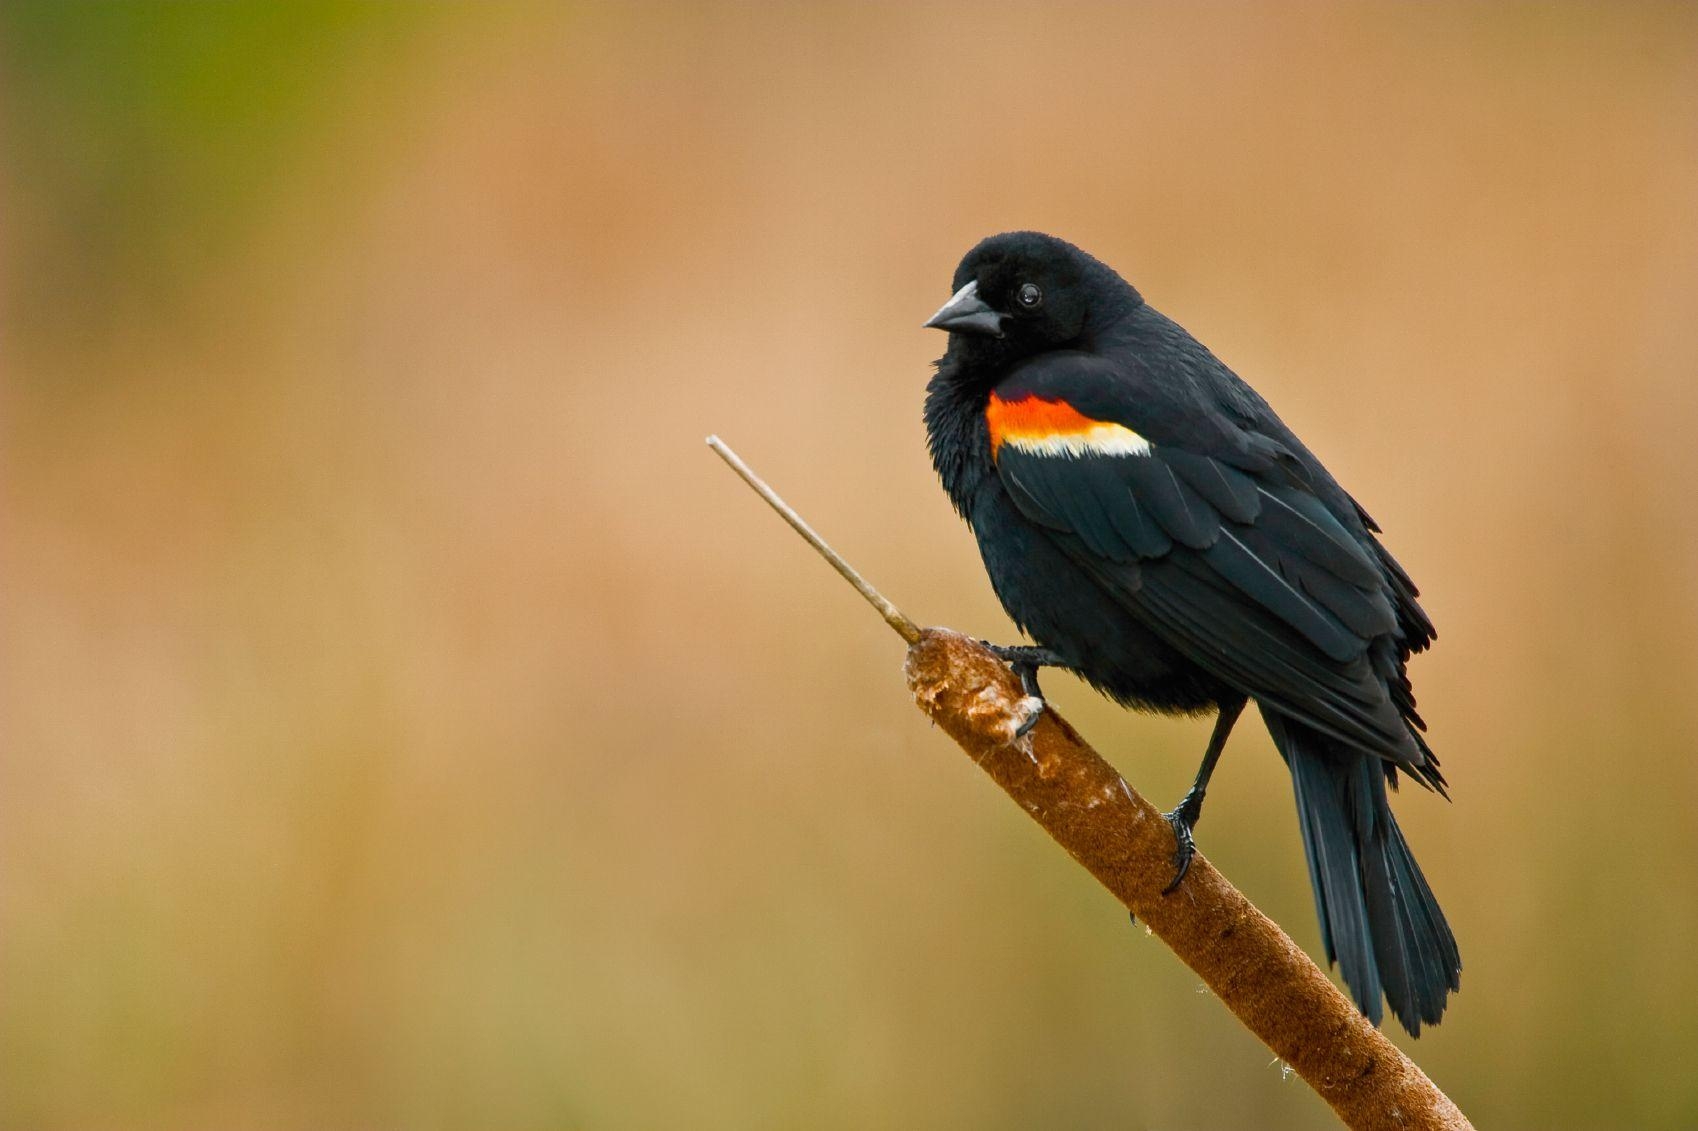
[1153,526]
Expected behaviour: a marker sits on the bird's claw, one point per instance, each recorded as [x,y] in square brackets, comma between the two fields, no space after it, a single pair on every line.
[1036,712]
[1183,817]
[1024,661]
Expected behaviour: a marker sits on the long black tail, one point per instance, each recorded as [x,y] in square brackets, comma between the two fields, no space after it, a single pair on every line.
[1379,919]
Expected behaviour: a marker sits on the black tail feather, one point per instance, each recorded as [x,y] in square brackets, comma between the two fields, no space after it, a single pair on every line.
[1379,920]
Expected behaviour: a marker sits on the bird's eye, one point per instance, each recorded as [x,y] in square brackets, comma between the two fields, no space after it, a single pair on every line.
[1030,296]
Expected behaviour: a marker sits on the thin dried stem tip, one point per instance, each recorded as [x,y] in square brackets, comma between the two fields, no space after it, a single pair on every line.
[892,615]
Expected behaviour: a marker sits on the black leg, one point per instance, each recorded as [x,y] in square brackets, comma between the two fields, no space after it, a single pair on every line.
[1025,660]
[1189,811]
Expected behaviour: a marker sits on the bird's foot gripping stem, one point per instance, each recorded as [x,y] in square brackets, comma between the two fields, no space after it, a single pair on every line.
[1183,817]
[1025,661]
[1189,811]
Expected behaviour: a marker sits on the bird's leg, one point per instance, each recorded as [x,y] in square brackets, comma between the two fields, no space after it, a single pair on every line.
[1025,661]
[1189,811]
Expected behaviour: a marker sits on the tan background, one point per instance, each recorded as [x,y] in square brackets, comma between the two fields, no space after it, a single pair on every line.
[407,723]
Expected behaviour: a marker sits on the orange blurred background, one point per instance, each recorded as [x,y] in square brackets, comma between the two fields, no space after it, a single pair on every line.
[406,721]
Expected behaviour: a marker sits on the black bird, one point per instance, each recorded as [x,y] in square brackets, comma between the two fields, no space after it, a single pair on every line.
[1149,522]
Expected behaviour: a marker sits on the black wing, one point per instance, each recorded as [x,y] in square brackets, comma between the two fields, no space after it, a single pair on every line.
[1240,567]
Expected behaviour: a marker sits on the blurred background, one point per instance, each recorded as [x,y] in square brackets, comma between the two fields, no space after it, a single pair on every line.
[406,722]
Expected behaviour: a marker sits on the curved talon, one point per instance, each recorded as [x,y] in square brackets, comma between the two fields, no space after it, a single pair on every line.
[1184,847]
[1024,661]
[1025,728]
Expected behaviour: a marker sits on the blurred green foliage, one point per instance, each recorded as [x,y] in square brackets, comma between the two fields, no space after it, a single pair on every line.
[141,136]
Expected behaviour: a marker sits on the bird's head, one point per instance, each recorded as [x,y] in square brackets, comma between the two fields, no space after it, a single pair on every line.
[1020,293]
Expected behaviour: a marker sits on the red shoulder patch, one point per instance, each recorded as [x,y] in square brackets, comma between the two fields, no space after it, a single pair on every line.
[1054,427]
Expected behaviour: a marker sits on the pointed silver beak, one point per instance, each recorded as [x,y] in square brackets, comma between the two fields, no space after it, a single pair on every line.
[967,313]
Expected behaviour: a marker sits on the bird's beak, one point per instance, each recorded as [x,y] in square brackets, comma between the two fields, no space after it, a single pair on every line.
[967,313]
